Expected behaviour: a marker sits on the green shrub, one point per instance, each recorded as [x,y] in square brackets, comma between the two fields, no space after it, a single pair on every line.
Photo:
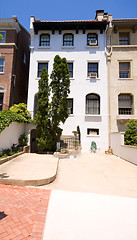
[23,139]
[131,133]
[7,117]
[7,152]
[21,109]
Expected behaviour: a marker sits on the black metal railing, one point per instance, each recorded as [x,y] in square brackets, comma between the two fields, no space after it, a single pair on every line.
[70,142]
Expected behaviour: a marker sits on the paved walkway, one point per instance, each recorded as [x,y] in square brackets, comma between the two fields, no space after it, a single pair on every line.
[29,169]
[22,212]
[96,173]
[87,210]
[87,216]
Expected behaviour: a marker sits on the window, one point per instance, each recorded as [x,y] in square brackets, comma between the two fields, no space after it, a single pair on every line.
[125,104]
[45,40]
[1,98]
[70,65]
[93,70]
[3,37]
[41,66]
[92,104]
[35,104]
[124,70]
[92,131]
[70,105]
[25,58]
[92,39]
[68,39]
[1,65]
[123,38]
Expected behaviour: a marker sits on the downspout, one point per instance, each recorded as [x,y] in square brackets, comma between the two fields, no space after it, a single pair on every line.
[108,58]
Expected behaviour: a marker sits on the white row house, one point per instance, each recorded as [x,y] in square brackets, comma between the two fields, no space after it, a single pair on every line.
[83,44]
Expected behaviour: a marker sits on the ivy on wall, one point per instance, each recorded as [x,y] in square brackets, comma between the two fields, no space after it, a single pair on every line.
[7,117]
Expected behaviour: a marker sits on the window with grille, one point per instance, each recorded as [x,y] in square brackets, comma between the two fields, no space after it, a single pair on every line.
[1,65]
[92,39]
[92,69]
[44,40]
[93,104]
[40,67]
[124,70]
[123,38]
[68,39]
[125,104]
[3,37]
[70,65]
[70,105]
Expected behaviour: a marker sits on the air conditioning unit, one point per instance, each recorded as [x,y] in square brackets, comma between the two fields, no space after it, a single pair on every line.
[92,75]
[92,42]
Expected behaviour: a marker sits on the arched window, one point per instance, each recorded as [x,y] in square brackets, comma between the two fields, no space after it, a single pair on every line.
[93,104]
[68,39]
[1,97]
[125,102]
[44,40]
[92,39]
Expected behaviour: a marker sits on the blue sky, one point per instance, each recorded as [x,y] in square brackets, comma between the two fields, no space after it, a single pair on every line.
[65,10]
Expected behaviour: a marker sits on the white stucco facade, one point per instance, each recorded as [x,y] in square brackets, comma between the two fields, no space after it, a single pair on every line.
[80,55]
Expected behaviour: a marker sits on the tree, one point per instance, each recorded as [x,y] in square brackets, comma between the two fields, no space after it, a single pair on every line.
[51,113]
[60,85]
[131,133]
[42,118]
[21,109]
[1,38]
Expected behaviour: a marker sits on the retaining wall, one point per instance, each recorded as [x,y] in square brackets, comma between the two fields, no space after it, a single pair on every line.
[129,153]
[11,134]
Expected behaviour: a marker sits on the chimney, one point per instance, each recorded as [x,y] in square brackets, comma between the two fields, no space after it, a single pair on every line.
[99,15]
[32,19]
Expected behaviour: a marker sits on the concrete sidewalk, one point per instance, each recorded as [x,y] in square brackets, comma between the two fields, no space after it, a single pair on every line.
[29,169]
[86,216]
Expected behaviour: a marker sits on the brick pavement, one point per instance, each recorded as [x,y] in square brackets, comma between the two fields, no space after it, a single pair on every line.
[22,212]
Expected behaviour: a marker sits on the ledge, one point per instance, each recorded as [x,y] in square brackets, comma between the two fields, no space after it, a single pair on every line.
[91,115]
[67,47]
[93,135]
[125,117]
[44,47]
[125,79]
[93,46]
[6,45]
[92,78]
[123,46]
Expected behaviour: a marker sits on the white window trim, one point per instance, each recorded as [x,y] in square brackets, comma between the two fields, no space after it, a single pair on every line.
[93,61]
[131,63]
[41,61]
[3,65]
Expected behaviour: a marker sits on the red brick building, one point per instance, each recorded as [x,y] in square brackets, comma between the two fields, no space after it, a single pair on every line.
[14,63]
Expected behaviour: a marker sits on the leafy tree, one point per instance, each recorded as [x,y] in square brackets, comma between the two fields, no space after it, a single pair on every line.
[60,85]
[1,38]
[131,133]
[51,113]
[42,118]
[21,109]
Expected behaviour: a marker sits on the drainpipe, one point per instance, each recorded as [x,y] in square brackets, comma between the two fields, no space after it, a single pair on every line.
[108,58]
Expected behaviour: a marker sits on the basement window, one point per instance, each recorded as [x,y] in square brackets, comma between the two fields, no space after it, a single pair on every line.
[92,131]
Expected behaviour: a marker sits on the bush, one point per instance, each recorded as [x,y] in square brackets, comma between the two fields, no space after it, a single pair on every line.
[131,133]
[21,109]
[23,139]
[7,117]
[7,152]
